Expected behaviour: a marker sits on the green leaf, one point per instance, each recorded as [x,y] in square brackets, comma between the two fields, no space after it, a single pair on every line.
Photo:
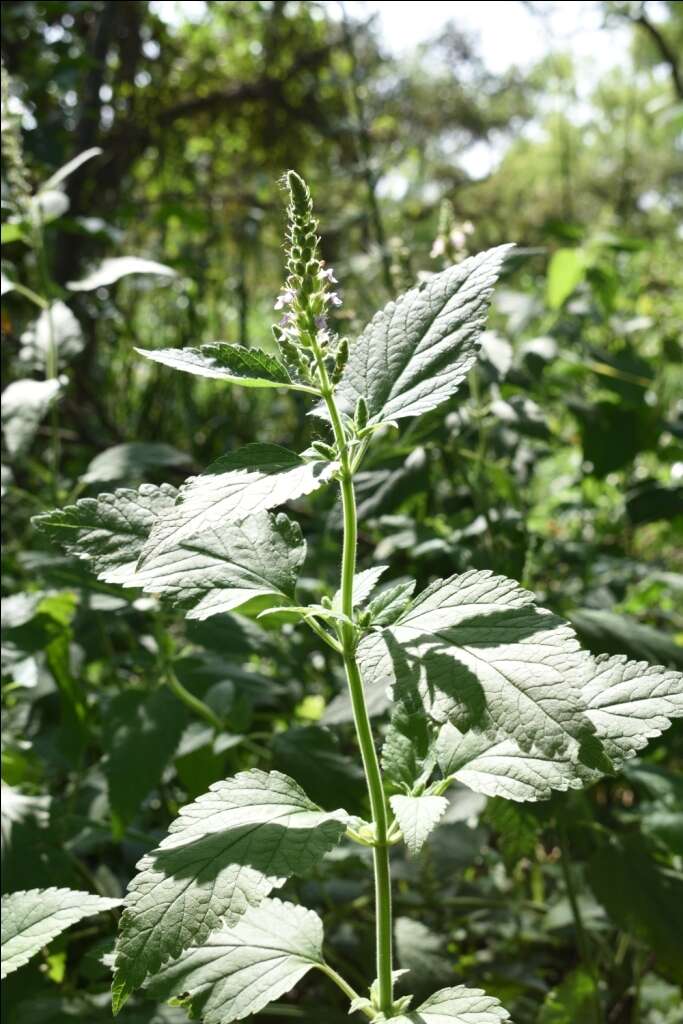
[112,270]
[24,405]
[249,565]
[517,829]
[250,367]
[32,918]
[457,1005]
[418,816]
[415,353]
[626,702]
[363,585]
[573,1000]
[138,721]
[224,853]
[312,755]
[407,756]
[238,970]
[132,461]
[386,607]
[630,702]
[10,233]
[234,487]
[605,632]
[476,651]
[642,897]
[494,767]
[567,269]
[109,531]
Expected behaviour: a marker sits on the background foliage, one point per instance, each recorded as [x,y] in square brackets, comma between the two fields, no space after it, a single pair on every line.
[562,467]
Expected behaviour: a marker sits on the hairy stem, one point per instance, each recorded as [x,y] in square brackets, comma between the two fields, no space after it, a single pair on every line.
[373,775]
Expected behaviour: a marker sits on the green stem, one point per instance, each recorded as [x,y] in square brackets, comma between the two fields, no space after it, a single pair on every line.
[347,635]
[192,702]
[345,987]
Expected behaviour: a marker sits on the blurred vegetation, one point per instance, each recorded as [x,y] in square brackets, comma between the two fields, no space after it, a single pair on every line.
[561,464]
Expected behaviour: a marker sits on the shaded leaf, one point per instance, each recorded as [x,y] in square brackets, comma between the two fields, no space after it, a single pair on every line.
[139,722]
[573,1000]
[642,898]
[132,460]
[418,816]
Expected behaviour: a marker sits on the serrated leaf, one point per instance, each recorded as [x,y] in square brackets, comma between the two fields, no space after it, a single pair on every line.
[418,816]
[224,853]
[407,750]
[254,479]
[627,703]
[517,829]
[459,1005]
[132,461]
[630,702]
[249,367]
[364,583]
[238,970]
[112,270]
[494,767]
[109,531]
[24,405]
[415,353]
[476,652]
[253,563]
[386,607]
[32,918]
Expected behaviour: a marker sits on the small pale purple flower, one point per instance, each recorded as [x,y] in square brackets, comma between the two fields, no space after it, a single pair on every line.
[328,275]
[286,298]
[321,322]
[334,299]
[287,320]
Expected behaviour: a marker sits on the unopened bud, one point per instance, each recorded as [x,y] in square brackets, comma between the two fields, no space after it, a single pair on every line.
[361,414]
[341,360]
[324,449]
